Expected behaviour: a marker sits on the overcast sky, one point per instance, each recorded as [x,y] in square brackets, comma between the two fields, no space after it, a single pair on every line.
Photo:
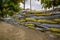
[35,4]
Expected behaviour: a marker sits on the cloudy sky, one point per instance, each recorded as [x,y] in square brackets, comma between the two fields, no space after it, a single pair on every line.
[35,5]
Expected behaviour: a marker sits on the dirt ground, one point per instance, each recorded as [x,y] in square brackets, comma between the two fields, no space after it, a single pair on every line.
[10,32]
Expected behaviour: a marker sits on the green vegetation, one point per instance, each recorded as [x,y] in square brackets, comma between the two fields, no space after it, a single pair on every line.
[49,3]
[9,7]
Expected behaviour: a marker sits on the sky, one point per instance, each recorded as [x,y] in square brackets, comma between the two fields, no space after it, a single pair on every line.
[35,5]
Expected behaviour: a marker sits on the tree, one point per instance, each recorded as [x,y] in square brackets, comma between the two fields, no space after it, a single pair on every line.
[9,7]
[17,1]
[51,2]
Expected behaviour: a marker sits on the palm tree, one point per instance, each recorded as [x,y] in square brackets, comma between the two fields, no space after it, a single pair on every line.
[30,5]
[24,4]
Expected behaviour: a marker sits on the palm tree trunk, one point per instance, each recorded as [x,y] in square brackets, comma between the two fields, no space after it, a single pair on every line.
[24,4]
[30,5]
[53,10]
[53,6]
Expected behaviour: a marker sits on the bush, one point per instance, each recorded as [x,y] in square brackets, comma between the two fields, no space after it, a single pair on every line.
[8,7]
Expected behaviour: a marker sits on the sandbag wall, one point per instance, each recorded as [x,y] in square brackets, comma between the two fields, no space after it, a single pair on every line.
[40,20]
